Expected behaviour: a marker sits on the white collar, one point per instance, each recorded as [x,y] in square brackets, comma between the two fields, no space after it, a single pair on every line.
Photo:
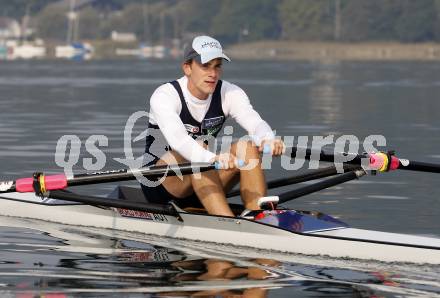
[183,81]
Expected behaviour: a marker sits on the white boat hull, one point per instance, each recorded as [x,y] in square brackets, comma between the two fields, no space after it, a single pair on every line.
[339,243]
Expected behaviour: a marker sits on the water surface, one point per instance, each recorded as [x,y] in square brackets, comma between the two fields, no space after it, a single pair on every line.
[41,101]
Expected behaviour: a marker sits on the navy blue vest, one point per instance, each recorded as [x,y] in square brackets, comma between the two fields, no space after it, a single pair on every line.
[211,124]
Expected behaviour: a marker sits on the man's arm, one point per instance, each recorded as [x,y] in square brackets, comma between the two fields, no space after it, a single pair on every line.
[165,111]
[238,106]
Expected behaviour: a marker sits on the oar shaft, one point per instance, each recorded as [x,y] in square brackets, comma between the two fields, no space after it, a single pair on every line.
[356,159]
[311,154]
[127,174]
[312,175]
[419,166]
[295,179]
[98,201]
[302,191]
[57,182]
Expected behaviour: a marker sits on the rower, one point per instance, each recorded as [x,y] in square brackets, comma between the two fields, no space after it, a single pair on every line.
[194,106]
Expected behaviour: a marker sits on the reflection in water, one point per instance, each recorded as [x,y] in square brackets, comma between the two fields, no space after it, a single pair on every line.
[325,96]
[222,270]
[66,261]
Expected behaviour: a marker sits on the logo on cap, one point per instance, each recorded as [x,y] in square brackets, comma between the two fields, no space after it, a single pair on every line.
[204,49]
[212,44]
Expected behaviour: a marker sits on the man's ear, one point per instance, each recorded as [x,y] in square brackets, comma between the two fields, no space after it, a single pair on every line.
[186,67]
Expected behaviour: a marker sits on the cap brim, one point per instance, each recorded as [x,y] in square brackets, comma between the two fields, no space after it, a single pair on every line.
[206,57]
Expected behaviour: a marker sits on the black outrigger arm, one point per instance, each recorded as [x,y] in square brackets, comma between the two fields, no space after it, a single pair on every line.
[308,189]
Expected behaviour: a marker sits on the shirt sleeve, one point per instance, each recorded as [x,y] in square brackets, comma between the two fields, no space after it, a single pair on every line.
[165,109]
[238,106]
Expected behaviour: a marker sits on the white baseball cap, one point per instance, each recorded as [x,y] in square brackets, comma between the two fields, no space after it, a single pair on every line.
[204,49]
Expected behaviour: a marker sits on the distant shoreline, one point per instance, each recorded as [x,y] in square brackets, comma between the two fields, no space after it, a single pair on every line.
[267,50]
[369,51]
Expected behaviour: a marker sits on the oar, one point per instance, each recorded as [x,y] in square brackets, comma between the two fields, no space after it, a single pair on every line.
[58,182]
[308,189]
[99,201]
[295,179]
[375,160]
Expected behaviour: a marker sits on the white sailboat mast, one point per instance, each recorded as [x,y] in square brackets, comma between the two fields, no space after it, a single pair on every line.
[72,24]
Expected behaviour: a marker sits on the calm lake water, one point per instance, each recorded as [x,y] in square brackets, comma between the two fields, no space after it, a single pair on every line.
[41,101]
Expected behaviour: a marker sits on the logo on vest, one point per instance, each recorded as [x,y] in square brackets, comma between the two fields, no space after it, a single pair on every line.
[212,126]
[212,122]
[191,129]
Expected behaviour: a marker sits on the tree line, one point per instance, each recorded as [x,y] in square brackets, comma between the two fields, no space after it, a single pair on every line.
[239,21]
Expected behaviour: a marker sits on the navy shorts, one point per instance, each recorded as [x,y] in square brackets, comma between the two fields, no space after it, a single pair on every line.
[159,195]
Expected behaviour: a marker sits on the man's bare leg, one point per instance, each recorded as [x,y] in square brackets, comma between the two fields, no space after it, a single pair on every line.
[210,186]
[173,184]
[252,181]
[207,185]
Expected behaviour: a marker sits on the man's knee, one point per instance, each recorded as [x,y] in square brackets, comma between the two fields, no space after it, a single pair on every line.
[171,158]
[202,143]
[245,149]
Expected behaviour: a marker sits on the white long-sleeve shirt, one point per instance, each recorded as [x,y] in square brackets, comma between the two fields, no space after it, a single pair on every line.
[165,108]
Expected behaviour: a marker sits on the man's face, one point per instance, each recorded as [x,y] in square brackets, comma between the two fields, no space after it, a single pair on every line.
[202,78]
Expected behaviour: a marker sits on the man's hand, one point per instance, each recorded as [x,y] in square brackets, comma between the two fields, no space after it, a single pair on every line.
[276,147]
[227,161]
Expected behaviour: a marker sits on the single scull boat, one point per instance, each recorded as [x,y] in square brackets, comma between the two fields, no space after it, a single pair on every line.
[278,229]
